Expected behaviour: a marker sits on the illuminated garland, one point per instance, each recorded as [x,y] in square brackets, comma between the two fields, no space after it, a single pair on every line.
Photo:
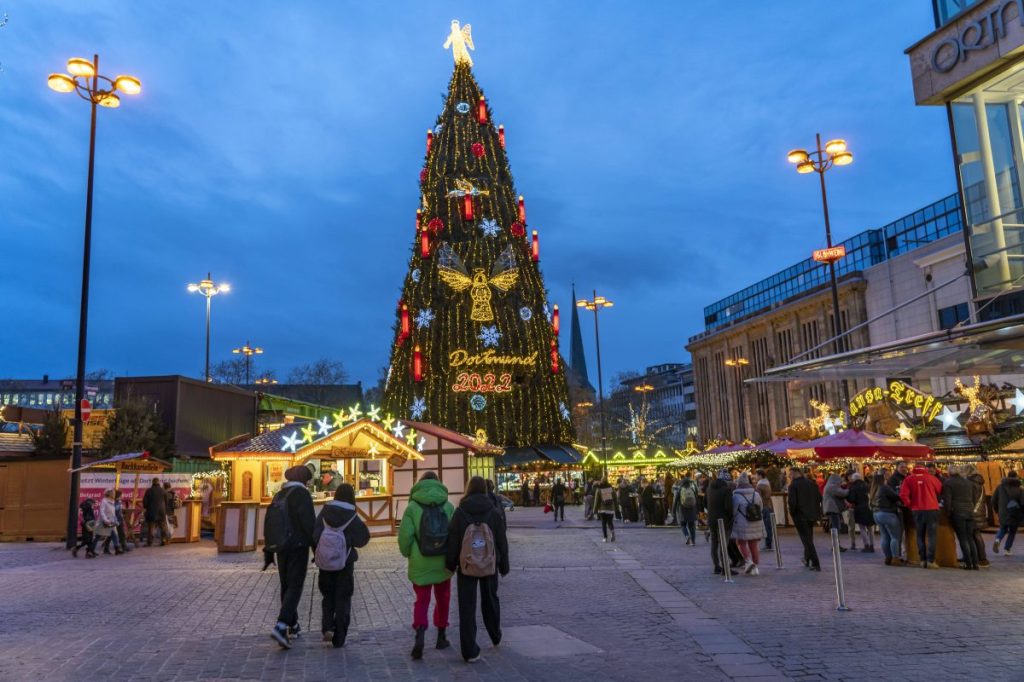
[470,223]
[738,459]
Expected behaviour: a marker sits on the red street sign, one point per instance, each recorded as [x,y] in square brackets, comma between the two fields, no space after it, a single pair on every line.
[86,409]
[829,255]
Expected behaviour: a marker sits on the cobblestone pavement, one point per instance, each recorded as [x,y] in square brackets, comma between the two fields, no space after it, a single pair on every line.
[644,607]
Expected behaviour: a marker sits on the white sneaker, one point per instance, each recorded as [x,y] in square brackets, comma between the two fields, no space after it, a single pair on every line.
[749,566]
[753,571]
[1007,553]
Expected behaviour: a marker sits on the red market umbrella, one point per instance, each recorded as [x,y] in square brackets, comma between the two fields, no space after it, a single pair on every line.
[780,446]
[725,448]
[856,444]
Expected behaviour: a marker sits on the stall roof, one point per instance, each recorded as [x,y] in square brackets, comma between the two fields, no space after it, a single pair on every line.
[454,437]
[128,461]
[995,347]
[559,454]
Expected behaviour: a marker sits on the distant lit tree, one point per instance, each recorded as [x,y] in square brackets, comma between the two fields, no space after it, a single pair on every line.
[50,439]
[136,427]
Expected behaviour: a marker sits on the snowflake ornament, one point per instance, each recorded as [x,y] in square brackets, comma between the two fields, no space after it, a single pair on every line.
[424,318]
[415,275]
[478,402]
[462,107]
[489,336]
[418,408]
[564,410]
[437,128]
[490,227]
[525,314]
[547,312]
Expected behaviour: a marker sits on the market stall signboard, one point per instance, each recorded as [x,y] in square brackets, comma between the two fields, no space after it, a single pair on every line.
[902,395]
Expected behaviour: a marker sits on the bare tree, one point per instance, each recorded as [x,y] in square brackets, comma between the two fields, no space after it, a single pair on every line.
[99,374]
[228,371]
[323,372]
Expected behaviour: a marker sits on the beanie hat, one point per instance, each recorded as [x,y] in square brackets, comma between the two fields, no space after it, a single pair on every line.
[724,475]
[1012,474]
[298,473]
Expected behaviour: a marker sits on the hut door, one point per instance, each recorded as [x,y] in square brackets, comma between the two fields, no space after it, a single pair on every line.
[247,485]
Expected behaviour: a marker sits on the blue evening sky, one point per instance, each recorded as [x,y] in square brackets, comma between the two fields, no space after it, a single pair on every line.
[278,144]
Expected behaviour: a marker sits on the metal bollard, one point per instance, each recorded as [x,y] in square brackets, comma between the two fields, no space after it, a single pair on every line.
[837,564]
[723,551]
[775,540]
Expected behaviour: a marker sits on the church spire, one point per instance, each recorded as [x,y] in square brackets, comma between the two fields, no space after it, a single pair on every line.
[577,360]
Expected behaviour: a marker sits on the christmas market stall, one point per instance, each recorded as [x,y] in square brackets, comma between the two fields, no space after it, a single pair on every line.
[534,469]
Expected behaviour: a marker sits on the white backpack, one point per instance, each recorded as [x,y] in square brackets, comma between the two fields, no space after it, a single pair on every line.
[332,550]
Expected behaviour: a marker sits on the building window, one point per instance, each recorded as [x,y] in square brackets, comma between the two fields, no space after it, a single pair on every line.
[953,315]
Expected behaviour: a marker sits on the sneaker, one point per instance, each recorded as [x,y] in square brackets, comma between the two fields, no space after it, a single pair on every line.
[1007,553]
[613,538]
[474,659]
[293,631]
[604,539]
[748,567]
[888,561]
[984,564]
[328,635]
[924,564]
[995,547]
[280,635]
[753,570]
[816,569]
[932,564]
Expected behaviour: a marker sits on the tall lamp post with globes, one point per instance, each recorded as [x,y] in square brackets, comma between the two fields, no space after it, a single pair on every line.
[248,351]
[595,305]
[84,79]
[208,288]
[820,161]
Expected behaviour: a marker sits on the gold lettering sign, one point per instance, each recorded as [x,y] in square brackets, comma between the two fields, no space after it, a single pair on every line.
[901,395]
[462,358]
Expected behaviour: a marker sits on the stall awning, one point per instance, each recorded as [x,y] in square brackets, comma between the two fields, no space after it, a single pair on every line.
[995,347]
[128,462]
[558,454]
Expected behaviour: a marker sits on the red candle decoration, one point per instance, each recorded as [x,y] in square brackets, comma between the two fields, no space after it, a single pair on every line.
[467,206]
[522,209]
[417,364]
[555,323]
[481,110]
[554,357]
[535,248]
[419,216]
[517,230]
[477,149]
[404,334]
[425,244]
[501,136]
[430,140]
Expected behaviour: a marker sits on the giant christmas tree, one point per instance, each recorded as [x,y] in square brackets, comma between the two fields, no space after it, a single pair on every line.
[476,342]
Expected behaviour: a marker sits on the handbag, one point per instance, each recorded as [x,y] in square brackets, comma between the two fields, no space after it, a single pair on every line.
[547,508]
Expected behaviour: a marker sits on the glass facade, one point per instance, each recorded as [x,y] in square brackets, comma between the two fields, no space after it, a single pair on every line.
[863,250]
[947,9]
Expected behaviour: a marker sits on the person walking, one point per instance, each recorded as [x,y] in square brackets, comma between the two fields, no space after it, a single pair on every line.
[88,525]
[764,488]
[748,525]
[980,512]
[920,494]
[588,501]
[525,492]
[119,530]
[647,495]
[172,510]
[885,503]
[536,491]
[1009,505]
[496,499]
[720,507]
[337,533]
[834,502]
[423,539]
[154,502]
[604,506]
[684,508]
[958,501]
[558,498]
[478,553]
[106,526]
[804,502]
[859,499]
[288,534]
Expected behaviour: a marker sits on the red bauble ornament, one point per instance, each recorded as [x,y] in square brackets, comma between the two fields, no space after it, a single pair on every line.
[435,226]
[518,230]
[423,175]
[478,149]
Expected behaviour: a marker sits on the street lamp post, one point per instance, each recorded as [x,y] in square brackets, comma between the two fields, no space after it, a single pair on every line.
[84,79]
[248,351]
[820,161]
[209,289]
[595,304]
[740,365]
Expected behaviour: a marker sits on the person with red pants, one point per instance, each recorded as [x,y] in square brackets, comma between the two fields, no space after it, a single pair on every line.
[920,494]
[418,542]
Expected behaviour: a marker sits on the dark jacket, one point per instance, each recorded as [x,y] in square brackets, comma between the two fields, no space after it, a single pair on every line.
[558,493]
[88,513]
[804,500]
[980,508]
[720,502]
[859,499]
[477,509]
[338,514]
[1008,490]
[886,499]
[608,501]
[155,503]
[301,512]
[958,496]
[896,480]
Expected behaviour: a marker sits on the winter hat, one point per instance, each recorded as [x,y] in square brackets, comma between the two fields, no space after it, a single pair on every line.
[298,473]
[724,475]
[743,481]
[1012,474]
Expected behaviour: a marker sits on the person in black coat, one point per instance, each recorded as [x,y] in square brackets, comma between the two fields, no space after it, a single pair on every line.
[804,501]
[719,501]
[958,501]
[88,523]
[558,498]
[859,498]
[154,502]
[476,507]
[293,563]
[1008,501]
[337,587]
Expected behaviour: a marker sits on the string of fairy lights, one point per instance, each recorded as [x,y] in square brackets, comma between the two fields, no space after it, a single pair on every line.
[474,289]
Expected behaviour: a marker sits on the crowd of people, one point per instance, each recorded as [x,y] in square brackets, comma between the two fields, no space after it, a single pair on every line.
[111,525]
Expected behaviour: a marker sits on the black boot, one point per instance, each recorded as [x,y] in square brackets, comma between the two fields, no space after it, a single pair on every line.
[417,649]
[442,639]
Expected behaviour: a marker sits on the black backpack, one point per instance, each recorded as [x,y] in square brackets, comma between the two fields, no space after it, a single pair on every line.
[433,532]
[752,512]
[278,532]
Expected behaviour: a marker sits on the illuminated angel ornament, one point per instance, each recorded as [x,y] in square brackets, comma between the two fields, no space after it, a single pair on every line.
[452,271]
[464,187]
[418,408]
[489,336]
[291,442]
[424,318]
[459,40]
[949,417]
[308,432]
[399,431]
[325,426]
[1018,402]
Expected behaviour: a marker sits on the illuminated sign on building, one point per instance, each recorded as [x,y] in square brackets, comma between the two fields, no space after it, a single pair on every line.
[901,395]
[829,255]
